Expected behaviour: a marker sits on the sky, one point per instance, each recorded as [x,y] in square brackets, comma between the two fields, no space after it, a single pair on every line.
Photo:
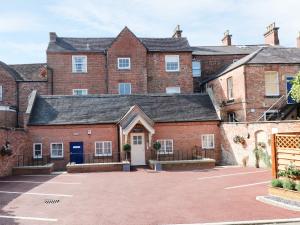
[25,25]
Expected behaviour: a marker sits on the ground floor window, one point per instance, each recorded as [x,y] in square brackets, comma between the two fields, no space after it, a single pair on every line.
[173,90]
[270,115]
[57,150]
[124,88]
[166,146]
[37,150]
[208,141]
[80,91]
[103,148]
[231,117]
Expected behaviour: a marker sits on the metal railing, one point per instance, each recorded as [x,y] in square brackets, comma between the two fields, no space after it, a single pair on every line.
[23,160]
[92,158]
[176,155]
[275,108]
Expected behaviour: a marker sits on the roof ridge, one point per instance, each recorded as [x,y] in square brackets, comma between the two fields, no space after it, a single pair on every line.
[19,64]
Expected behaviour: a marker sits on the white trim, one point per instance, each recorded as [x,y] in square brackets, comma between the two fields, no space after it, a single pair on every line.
[33,153]
[78,89]
[98,142]
[137,119]
[163,151]
[124,68]
[56,157]
[166,61]
[202,142]
[277,82]
[197,75]
[84,63]
[228,92]
[129,88]
[173,90]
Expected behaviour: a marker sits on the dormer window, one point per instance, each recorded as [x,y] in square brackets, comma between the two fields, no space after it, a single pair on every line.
[124,63]
[172,63]
[79,64]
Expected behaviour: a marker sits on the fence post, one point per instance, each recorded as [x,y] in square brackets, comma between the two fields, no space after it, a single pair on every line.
[274,157]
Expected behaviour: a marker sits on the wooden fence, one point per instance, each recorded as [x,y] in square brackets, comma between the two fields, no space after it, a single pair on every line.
[285,150]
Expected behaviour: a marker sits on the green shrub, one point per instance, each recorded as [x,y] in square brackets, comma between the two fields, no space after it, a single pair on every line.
[288,184]
[276,183]
[127,147]
[297,187]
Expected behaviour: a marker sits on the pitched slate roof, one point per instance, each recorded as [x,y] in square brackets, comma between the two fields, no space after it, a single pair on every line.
[264,55]
[225,50]
[97,109]
[29,72]
[11,71]
[65,44]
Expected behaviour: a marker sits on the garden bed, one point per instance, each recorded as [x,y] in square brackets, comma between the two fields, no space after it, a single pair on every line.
[30,170]
[97,167]
[184,164]
[284,193]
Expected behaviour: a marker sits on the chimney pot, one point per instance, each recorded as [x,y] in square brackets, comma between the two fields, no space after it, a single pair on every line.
[53,36]
[177,32]
[227,38]
[271,35]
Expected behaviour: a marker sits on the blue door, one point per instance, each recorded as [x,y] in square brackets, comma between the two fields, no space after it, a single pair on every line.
[288,89]
[76,152]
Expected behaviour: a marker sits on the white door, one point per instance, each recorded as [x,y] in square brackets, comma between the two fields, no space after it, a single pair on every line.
[137,149]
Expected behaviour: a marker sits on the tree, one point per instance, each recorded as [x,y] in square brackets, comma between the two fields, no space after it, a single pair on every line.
[295,90]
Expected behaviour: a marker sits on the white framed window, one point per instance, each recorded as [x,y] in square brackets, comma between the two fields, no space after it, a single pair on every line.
[124,63]
[124,88]
[79,63]
[173,90]
[271,83]
[1,93]
[80,91]
[172,63]
[229,88]
[37,150]
[137,139]
[196,66]
[166,146]
[208,141]
[103,148]
[57,150]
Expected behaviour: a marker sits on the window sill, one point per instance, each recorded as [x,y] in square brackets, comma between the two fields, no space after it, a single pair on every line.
[230,101]
[102,156]
[79,73]
[56,158]
[272,96]
[173,71]
[124,69]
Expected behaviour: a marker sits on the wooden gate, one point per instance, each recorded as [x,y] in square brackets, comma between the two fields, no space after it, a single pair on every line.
[285,150]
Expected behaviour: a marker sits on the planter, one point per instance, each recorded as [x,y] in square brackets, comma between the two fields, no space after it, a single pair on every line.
[126,166]
[283,193]
[157,166]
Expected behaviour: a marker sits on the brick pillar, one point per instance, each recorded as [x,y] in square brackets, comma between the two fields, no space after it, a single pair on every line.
[271,35]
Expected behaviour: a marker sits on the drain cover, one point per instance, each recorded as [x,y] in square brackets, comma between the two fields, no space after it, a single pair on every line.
[51,201]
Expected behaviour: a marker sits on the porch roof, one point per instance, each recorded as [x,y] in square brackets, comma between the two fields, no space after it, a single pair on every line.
[100,109]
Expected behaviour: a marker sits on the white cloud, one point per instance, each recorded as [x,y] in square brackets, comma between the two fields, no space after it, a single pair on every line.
[16,22]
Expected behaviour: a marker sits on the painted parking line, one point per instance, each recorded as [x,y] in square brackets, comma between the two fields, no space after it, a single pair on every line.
[247,185]
[36,182]
[52,175]
[35,193]
[29,218]
[231,174]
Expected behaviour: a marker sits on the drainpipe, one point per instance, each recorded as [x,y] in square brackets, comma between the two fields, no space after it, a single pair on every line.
[106,70]
[17,109]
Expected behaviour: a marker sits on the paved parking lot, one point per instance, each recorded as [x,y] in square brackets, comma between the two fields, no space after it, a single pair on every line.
[140,197]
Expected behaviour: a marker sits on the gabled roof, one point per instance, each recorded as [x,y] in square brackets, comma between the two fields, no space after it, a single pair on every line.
[100,109]
[68,44]
[11,71]
[225,50]
[30,72]
[264,55]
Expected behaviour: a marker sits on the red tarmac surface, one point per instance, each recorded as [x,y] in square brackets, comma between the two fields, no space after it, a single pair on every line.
[139,197]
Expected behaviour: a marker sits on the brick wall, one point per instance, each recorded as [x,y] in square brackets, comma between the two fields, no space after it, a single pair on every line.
[127,45]
[72,133]
[253,132]
[219,87]
[9,86]
[159,79]
[64,80]
[210,65]
[19,144]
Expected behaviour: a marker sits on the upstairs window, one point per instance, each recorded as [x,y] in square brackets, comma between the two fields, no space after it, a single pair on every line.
[208,141]
[124,63]
[166,146]
[79,64]
[172,63]
[173,90]
[103,148]
[271,83]
[196,68]
[1,93]
[80,91]
[124,88]
[229,88]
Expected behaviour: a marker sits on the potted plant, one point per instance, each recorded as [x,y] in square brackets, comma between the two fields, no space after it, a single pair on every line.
[239,140]
[126,149]
[260,153]
[157,146]
[6,149]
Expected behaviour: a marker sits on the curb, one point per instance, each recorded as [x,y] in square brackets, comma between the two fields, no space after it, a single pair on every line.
[278,204]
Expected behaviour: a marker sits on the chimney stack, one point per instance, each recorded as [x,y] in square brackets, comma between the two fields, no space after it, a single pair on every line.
[298,40]
[177,32]
[271,35]
[227,38]
[53,36]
